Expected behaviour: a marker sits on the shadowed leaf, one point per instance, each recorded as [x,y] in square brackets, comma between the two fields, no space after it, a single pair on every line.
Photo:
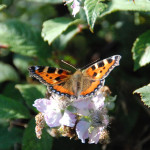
[10,136]
[7,73]
[10,108]
[30,140]
[31,92]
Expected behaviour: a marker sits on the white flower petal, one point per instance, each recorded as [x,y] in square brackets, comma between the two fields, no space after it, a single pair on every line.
[98,101]
[52,118]
[42,104]
[82,103]
[75,7]
[68,119]
[95,135]
[82,130]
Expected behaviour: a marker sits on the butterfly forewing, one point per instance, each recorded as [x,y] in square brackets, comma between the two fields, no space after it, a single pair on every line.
[101,69]
[49,75]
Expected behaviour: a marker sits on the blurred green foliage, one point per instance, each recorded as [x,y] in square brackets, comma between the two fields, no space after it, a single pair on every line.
[42,32]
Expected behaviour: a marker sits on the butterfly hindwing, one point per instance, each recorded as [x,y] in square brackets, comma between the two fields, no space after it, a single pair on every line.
[90,89]
[101,69]
[60,89]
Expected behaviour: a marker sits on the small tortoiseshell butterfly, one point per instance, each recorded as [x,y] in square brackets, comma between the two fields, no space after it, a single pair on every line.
[82,83]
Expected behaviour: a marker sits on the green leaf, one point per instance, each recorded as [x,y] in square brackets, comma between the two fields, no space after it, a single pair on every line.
[125,5]
[10,108]
[10,136]
[93,9]
[2,6]
[22,39]
[61,42]
[31,92]
[7,73]
[145,94]
[9,91]
[48,1]
[141,50]
[22,62]
[55,27]
[97,8]
[30,141]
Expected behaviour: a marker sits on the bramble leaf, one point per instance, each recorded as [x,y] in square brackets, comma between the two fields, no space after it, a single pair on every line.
[8,73]
[145,94]
[10,108]
[10,136]
[93,9]
[125,5]
[9,91]
[2,6]
[55,27]
[100,8]
[22,62]
[22,39]
[61,42]
[47,1]
[30,140]
[141,50]
[31,92]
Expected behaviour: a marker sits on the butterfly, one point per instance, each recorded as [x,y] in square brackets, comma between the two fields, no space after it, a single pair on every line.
[81,83]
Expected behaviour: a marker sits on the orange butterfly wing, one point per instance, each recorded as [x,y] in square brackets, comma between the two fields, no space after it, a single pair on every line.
[98,72]
[54,78]
[101,69]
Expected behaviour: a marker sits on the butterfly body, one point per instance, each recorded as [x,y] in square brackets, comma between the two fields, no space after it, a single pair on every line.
[82,83]
[76,82]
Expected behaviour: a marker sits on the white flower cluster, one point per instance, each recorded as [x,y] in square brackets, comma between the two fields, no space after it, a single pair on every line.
[87,117]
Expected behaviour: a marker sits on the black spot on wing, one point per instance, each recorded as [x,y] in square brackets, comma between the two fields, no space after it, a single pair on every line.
[94,74]
[60,71]
[51,70]
[93,67]
[109,60]
[40,68]
[101,64]
[57,79]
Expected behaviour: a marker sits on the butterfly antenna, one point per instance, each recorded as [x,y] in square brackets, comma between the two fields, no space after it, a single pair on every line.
[69,64]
